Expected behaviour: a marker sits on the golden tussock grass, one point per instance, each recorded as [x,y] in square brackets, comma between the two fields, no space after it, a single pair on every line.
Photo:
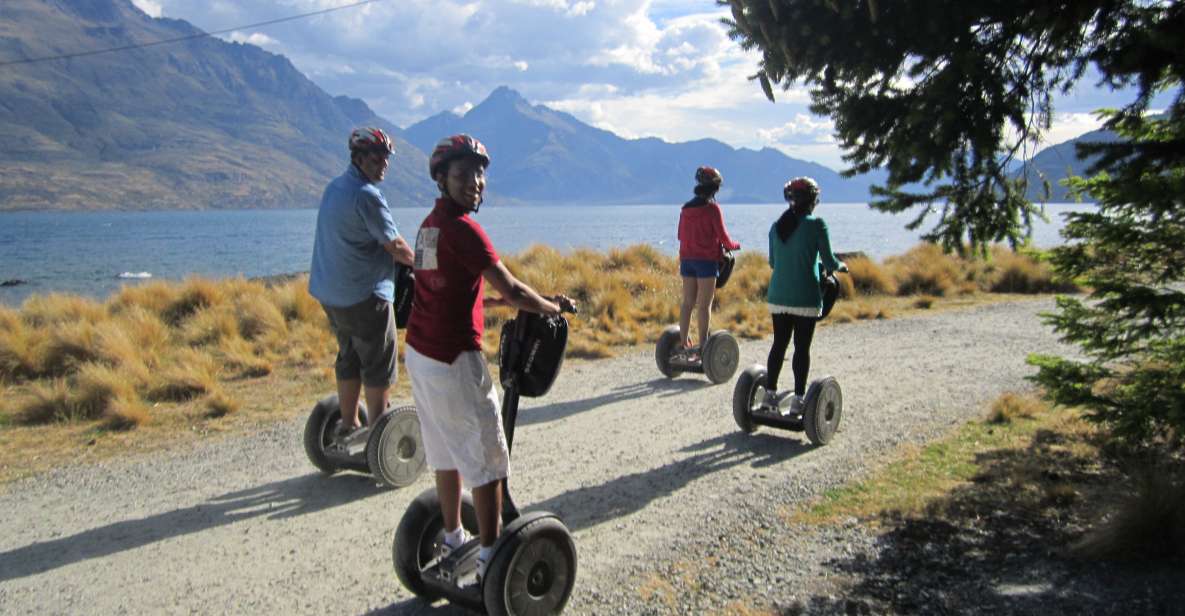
[1010,406]
[925,270]
[191,373]
[220,404]
[126,413]
[97,385]
[176,341]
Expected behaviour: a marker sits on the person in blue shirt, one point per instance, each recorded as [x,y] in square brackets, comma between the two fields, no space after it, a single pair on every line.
[352,275]
[798,241]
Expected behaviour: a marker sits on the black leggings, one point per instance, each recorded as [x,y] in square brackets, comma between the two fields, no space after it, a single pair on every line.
[803,329]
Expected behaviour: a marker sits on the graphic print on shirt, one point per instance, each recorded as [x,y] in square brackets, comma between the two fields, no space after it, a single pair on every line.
[426,243]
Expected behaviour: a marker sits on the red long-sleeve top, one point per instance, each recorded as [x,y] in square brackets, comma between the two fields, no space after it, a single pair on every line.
[701,231]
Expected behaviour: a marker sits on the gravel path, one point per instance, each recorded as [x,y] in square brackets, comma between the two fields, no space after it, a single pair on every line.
[651,474]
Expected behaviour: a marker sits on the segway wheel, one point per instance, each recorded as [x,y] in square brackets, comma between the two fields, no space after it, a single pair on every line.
[746,397]
[420,532]
[662,351]
[395,451]
[721,356]
[318,432]
[824,406]
[534,573]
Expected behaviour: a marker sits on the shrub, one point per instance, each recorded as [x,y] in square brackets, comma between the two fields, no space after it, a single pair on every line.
[188,375]
[195,294]
[97,385]
[57,308]
[1020,272]
[925,269]
[1010,406]
[219,404]
[870,278]
[46,401]
[155,297]
[1149,524]
[126,413]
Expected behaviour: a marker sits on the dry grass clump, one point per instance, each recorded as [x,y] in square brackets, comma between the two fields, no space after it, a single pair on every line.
[45,401]
[1023,272]
[195,293]
[57,308]
[190,374]
[926,270]
[868,278]
[1147,524]
[220,404]
[126,413]
[98,385]
[1010,406]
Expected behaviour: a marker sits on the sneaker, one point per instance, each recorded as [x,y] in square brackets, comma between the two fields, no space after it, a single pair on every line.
[797,404]
[345,436]
[481,569]
[771,400]
[443,549]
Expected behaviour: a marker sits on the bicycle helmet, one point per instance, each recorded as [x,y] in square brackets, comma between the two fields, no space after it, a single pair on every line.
[708,176]
[369,139]
[802,190]
[454,147]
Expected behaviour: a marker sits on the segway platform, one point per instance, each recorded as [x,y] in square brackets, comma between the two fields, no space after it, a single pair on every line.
[819,416]
[391,451]
[718,359]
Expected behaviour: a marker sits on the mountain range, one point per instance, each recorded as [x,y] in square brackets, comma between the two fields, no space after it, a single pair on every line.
[207,123]
[201,123]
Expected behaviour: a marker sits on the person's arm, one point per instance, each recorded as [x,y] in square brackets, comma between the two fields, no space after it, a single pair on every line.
[722,233]
[401,251]
[830,261]
[516,294]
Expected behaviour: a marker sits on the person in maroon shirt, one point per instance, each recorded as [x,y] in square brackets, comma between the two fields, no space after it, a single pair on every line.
[460,414]
[702,241]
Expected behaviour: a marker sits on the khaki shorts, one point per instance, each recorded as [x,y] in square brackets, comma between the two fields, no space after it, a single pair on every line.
[365,341]
[460,417]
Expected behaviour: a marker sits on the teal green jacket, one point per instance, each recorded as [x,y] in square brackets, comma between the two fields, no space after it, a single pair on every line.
[795,280]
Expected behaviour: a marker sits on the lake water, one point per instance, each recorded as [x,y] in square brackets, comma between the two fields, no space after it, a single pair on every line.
[87,252]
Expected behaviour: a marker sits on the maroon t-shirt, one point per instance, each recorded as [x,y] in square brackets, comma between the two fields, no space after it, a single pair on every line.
[447,315]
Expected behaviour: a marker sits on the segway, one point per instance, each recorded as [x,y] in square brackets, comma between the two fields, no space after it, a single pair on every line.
[391,451]
[822,405]
[533,566]
[717,360]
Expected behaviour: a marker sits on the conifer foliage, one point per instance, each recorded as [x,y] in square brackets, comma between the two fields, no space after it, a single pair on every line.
[944,94]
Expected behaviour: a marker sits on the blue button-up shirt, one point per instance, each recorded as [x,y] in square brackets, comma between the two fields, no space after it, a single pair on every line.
[349,261]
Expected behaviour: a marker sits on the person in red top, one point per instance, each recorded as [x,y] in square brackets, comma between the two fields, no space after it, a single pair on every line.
[460,416]
[702,241]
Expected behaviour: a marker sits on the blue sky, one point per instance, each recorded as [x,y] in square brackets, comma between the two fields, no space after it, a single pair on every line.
[663,68]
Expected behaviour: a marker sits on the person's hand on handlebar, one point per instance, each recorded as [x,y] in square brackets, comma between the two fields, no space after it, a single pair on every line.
[565,303]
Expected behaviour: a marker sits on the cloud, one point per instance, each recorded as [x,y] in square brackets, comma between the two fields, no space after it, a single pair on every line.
[255,38]
[148,6]
[803,129]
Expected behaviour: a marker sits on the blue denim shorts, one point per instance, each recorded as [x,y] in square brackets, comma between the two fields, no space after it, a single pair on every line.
[699,268]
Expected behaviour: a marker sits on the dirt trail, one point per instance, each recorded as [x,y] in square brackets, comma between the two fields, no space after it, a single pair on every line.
[636,465]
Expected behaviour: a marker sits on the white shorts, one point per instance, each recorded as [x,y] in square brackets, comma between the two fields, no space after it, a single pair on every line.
[460,417]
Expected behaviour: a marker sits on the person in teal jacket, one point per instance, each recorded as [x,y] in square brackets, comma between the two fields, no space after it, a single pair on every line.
[798,241]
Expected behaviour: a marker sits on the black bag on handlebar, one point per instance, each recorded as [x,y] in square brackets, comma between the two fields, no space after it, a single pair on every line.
[829,285]
[405,291]
[531,353]
[725,265]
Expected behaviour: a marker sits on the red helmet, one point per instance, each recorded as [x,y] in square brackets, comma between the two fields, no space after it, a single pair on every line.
[452,148]
[708,176]
[370,139]
[802,190]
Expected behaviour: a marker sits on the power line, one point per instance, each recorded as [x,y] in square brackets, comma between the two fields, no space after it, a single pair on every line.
[187,37]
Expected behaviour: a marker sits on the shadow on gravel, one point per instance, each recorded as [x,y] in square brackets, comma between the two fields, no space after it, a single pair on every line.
[660,387]
[275,501]
[998,546]
[416,607]
[587,506]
